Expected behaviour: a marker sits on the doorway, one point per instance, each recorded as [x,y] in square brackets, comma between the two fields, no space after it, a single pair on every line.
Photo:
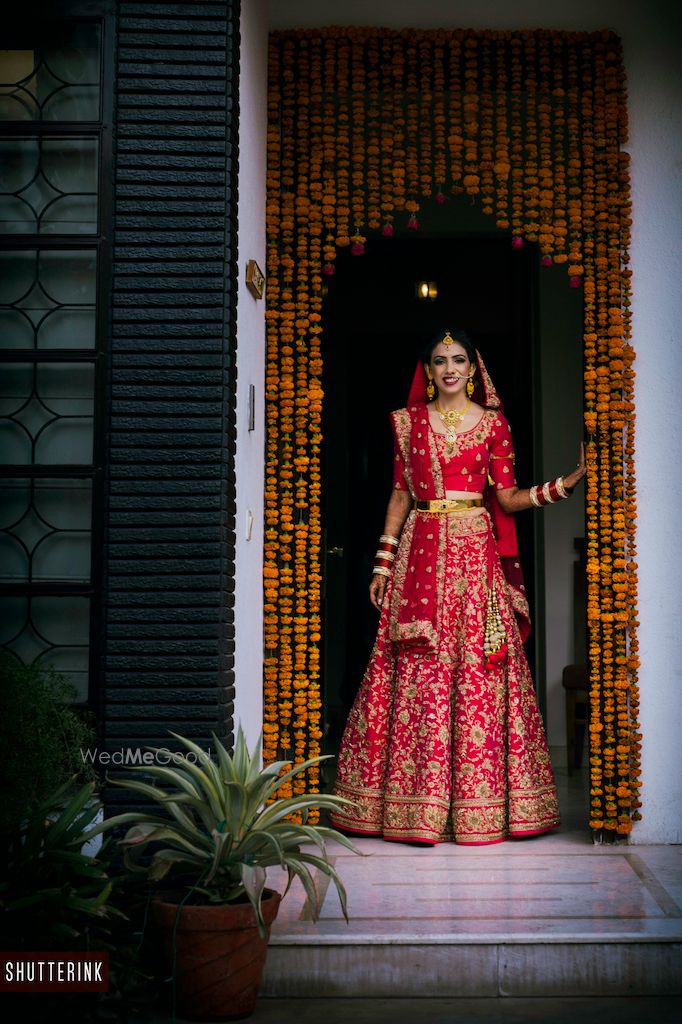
[374,325]
[364,124]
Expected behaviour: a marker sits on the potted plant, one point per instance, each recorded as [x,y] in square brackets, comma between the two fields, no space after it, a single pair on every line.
[219,829]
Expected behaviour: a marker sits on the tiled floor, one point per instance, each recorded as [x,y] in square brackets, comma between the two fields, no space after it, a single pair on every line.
[539,888]
[558,885]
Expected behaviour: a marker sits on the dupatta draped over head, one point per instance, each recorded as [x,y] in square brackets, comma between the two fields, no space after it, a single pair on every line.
[416,597]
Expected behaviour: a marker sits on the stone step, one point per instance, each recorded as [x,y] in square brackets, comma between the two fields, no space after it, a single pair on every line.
[549,916]
[443,969]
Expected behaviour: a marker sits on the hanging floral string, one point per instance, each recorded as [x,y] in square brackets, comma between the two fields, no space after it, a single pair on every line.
[438,120]
[517,155]
[486,130]
[363,124]
[501,140]
[454,129]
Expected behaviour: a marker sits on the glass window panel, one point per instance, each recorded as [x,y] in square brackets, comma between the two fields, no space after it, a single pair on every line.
[15,499]
[49,631]
[68,277]
[16,444]
[71,215]
[66,388]
[14,560]
[13,617]
[16,215]
[16,437]
[17,82]
[64,504]
[46,412]
[48,185]
[73,59]
[18,274]
[16,330]
[67,440]
[56,82]
[68,328]
[19,168]
[62,557]
[45,530]
[64,622]
[27,646]
[47,298]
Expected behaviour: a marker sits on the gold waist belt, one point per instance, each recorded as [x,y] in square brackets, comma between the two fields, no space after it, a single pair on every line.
[448,505]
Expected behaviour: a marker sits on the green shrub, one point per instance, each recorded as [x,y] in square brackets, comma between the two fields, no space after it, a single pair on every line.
[41,737]
[52,892]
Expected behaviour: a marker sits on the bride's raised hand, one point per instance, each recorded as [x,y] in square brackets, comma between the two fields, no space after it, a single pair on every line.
[571,479]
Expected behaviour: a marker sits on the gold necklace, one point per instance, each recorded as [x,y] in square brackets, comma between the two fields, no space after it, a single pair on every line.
[451,419]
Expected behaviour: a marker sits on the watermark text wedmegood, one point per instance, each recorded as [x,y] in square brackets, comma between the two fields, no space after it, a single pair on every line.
[130,756]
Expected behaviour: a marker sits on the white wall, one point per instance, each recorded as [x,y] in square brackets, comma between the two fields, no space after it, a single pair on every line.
[650,32]
[250,371]
[655,110]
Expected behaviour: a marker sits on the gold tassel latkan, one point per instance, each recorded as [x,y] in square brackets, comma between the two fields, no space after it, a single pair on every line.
[495,642]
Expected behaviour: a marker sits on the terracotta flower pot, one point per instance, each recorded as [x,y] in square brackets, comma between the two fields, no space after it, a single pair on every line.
[219,955]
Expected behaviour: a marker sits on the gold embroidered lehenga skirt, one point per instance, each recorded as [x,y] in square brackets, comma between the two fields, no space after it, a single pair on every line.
[438,747]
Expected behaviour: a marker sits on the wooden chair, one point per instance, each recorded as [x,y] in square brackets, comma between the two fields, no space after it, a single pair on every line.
[574,677]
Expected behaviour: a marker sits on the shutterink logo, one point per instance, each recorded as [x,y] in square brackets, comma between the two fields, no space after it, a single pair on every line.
[54,972]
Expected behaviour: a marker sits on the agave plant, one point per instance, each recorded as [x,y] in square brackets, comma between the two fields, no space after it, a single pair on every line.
[218,833]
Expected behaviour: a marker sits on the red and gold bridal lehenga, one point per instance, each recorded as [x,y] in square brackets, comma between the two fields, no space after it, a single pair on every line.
[444,741]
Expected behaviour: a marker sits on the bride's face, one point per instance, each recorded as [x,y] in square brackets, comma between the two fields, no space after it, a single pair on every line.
[450,368]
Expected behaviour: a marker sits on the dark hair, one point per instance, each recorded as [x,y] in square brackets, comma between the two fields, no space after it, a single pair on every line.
[457,335]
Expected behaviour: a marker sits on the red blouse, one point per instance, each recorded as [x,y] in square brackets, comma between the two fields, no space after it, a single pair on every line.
[485,450]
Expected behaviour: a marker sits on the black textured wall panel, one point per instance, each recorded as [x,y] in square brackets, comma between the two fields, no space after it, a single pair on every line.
[168,625]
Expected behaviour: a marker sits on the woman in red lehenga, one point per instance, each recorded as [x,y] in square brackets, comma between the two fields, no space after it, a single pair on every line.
[444,741]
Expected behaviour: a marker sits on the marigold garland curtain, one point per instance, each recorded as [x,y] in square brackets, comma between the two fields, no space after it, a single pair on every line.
[364,126]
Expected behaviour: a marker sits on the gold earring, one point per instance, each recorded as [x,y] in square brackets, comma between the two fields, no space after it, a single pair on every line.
[470,385]
[430,387]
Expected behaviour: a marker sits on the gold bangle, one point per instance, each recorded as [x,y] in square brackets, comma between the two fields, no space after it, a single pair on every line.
[533,494]
[378,571]
[385,538]
[388,555]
